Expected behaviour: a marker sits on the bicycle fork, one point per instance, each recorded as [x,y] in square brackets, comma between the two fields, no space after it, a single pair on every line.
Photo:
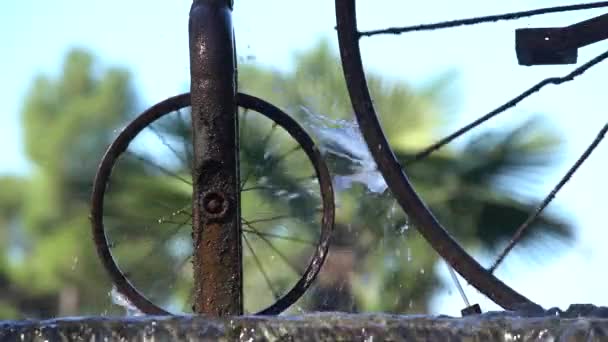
[217,258]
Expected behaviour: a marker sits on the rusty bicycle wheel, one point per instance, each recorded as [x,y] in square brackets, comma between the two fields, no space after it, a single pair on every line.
[534,47]
[395,175]
[141,208]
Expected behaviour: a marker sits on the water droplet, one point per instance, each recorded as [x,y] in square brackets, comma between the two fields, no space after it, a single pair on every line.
[343,139]
[74,263]
[366,338]
[121,300]
[512,337]
[280,193]
[393,210]
[292,196]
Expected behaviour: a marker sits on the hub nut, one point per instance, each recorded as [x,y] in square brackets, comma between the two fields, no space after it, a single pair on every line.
[215,205]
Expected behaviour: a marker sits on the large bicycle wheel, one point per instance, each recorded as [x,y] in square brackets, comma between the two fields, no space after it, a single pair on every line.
[534,46]
[394,173]
[142,219]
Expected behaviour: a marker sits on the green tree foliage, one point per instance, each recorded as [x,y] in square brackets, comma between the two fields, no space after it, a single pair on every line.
[378,262]
[68,122]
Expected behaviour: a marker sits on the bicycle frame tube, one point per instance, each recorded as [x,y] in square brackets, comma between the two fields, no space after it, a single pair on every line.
[217,258]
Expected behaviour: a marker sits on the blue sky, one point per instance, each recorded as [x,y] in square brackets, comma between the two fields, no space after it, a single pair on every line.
[150,38]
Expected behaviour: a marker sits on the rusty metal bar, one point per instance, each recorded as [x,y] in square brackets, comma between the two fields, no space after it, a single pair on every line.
[558,45]
[216,225]
[588,31]
[485,19]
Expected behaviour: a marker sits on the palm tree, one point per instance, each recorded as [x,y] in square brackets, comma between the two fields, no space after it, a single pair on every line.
[377,263]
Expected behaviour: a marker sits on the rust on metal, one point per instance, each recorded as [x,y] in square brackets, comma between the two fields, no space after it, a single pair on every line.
[216,205]
[216,226]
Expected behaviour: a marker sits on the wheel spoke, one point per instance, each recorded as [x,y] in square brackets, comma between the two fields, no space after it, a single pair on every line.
[303,179]
[159,221]
[273,163]
[182,210]
[277,236]
[261,268]
[264,146]
[270,188]
[268,219]
[162,240]
[258,187]
[161,168]
[166,143]
[186,144]
[458,286]
[286,260]
[285,155]
[519,233]
[243,121]
[485,19]
[165,209]
[510,104]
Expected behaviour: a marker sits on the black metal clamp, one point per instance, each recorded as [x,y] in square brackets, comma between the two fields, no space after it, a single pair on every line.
[558,45]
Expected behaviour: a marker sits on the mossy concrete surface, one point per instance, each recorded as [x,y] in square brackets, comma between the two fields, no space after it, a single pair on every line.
[500,326]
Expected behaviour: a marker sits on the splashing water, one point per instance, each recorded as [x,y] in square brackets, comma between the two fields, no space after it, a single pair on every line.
[121,300]
[342,139]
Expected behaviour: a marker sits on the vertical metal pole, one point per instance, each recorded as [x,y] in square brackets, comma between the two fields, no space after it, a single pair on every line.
[216,218]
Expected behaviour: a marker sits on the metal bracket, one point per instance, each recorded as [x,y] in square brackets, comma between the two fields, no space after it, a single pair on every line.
[558,45]
[474,309]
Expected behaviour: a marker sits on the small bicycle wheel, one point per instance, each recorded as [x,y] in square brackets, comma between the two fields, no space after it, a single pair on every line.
[141,208]
[394,174]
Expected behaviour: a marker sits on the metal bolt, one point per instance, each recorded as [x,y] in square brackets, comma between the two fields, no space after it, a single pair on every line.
[215,204]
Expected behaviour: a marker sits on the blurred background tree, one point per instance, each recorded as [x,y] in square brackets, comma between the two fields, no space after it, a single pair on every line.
[378,262]
[50,266]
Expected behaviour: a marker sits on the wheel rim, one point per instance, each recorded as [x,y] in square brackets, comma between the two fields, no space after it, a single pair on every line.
[274,114]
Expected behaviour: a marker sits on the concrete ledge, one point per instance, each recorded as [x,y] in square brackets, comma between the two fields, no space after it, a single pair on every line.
[312,327]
